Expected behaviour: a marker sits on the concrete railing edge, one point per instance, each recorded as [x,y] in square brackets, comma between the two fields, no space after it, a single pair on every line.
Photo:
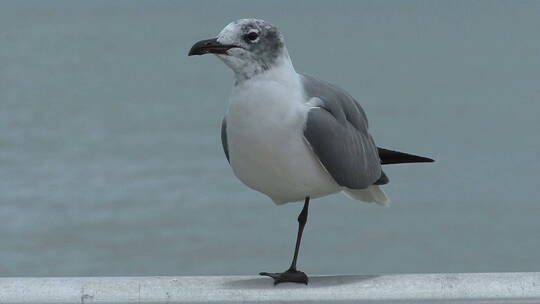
[520,287]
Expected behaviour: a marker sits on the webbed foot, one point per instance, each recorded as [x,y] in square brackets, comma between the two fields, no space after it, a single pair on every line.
[292,276]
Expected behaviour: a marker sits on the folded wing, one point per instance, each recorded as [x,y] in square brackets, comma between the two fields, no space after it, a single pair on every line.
[337,131]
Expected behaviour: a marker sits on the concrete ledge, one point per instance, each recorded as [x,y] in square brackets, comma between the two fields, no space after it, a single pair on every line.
[403,288]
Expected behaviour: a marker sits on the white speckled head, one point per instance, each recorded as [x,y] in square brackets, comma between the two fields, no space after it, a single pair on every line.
[259,47]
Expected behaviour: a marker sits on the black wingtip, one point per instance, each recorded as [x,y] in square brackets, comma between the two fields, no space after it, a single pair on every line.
[395,157]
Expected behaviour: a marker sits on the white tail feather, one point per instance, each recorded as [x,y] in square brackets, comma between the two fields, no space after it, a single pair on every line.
[372,194]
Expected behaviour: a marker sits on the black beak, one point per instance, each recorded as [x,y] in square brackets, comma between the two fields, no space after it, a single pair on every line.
[209,46]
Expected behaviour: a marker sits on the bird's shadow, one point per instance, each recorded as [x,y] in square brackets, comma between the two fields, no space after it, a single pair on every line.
[314,282]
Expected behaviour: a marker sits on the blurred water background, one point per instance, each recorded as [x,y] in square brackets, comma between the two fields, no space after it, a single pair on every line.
[111,161]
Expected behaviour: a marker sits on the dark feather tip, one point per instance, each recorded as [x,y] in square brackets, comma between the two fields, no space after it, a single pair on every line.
[395,157]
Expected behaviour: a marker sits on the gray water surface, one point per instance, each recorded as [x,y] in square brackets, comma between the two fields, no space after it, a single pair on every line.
[111,161]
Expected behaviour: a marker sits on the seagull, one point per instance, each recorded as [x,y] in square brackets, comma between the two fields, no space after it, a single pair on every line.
[292,136]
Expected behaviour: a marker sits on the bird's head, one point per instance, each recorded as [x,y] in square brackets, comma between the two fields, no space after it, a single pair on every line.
[247,46]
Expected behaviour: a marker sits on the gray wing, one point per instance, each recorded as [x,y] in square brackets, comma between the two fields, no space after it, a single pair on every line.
[224,138]
[337,131]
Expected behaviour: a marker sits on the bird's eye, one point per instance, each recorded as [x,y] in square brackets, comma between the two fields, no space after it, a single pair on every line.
[250,37]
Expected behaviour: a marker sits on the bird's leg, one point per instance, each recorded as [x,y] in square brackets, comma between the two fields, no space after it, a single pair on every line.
[292,274]
[302,220]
